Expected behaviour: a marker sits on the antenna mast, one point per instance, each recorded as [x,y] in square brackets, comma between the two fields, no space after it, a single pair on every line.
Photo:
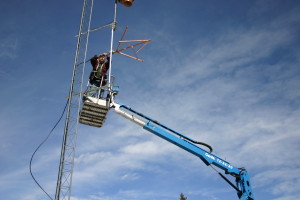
[64,180]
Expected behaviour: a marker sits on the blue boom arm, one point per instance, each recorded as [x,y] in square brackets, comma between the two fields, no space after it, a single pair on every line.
[243,187]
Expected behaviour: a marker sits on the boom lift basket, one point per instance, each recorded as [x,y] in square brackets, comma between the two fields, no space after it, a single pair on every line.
[94,111]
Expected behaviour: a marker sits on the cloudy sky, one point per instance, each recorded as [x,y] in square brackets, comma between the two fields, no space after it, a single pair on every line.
[222,72]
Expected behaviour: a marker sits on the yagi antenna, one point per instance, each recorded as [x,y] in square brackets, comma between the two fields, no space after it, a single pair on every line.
[136,43]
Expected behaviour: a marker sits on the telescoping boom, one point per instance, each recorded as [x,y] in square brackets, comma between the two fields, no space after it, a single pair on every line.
[243,186]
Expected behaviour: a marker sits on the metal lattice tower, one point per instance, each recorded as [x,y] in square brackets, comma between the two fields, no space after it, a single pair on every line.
[64,181]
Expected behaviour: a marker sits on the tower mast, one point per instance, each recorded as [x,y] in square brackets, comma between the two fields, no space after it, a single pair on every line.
[64,180]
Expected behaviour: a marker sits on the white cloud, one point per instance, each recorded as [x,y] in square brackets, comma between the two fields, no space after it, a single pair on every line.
[130,176]
[288,197]
[286,182]
[131,195]
[8,48]
[148,148]
[229,52]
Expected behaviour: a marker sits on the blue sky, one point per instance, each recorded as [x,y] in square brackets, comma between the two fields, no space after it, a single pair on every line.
[223,72]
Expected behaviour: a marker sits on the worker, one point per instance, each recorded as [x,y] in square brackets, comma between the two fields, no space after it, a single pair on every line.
[98,76]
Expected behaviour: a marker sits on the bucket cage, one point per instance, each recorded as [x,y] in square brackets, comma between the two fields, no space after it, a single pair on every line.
[96,104]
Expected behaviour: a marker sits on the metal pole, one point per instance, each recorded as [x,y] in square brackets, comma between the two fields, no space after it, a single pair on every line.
[111,46]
